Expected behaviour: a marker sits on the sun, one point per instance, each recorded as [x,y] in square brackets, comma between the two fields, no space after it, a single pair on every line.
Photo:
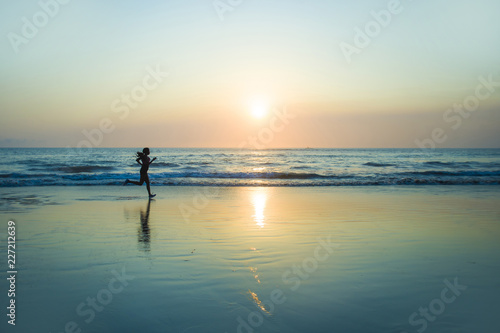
[259,109]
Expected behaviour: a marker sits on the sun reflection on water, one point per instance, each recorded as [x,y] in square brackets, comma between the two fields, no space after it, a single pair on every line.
[259,198]
[258,302]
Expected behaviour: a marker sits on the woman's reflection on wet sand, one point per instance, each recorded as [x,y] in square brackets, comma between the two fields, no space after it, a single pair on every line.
[144,232]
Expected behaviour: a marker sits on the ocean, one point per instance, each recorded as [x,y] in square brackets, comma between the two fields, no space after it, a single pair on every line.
[237,167]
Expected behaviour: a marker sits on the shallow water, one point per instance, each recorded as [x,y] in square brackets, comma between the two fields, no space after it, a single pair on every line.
[263,259]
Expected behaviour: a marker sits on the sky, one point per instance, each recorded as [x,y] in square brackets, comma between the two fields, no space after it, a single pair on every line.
[250,73]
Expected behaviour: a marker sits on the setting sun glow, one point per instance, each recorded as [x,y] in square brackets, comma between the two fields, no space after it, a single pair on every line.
[259,109]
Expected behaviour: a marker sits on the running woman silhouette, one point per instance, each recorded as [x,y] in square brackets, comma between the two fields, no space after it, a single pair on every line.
[144,160]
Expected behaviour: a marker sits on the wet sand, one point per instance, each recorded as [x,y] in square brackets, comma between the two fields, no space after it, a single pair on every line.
[262,259]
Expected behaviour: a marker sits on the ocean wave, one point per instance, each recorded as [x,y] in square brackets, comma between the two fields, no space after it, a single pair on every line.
[462,165]
[250,182]
[438,163]
[16,175]
[463,173]
[300,167]
[31,161]
[242,175]
[374,164]
[201,163]
[84,168]
[453,165]
[163,164]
